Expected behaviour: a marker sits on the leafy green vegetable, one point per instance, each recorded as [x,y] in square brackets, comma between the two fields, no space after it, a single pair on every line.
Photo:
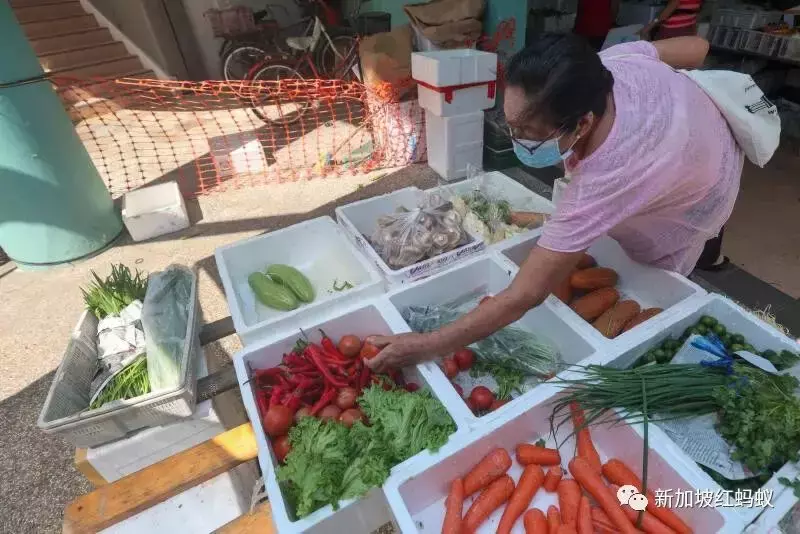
[329,462]
[130,382]
[112,295]
[508,380]
[341,287]
[794,484]
[488,211]
[760,415]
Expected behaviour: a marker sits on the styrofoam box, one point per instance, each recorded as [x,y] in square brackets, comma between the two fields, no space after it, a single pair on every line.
[736,319]
[782,513]
[445,68]
[359,220]
[319,249]
[417,494]
[153,211]
[358,515]
[649,286]
[487,276]
[466,100]
[454,143]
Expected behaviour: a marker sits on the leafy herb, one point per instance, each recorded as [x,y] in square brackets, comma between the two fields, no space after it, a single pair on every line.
[345,285]
[540,443]
[488,211]
[760,416]
[112,295]
[794,484]
[508,380]
[129,383]
[329,462]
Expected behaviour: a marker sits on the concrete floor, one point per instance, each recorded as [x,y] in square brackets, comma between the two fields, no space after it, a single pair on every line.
[39,309]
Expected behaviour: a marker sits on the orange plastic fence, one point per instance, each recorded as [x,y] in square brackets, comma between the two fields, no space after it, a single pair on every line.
[214,135]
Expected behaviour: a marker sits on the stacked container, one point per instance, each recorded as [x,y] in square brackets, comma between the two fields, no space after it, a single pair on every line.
[455,86]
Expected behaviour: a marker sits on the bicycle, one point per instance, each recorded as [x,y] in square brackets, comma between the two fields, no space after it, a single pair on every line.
[346,67]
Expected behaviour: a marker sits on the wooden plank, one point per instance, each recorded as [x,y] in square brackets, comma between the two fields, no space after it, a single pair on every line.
[217,330]
[128,496]
[88,470]
[259,521]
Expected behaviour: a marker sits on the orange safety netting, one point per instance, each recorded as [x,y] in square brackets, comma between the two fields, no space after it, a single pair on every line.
[214,135]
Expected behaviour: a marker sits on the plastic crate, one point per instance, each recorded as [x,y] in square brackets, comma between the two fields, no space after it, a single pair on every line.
[65,410]
[319,249]
[454,143]
[746,18]
[488,276]
[359,220]
[359,515]
[649,286]
[789,48]
[736,319]
[417,494]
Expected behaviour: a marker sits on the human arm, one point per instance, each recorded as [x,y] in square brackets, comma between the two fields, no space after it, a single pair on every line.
[682,52]
[666,13]
[541,272]
[614,11]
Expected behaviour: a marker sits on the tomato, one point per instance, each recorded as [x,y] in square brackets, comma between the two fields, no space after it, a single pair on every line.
[449,367]
[411,387]
[330,412]
[278,420]
[464,359]
[349,417]
[471,404]
[383,382]
[482,397]
[369,351]
[350,346]
[459,389]
[281,447]
[497,403]
[485,299]
[346,398]
[304,411]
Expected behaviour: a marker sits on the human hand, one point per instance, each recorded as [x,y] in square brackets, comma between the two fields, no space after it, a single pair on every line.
[646,32]
[401,351]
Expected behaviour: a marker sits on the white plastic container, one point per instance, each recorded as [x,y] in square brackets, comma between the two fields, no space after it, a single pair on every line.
[488,276]
[736,319]
[417,494]
[154,211]
[371,511]
[649,286]
[359,220]
[454,82]
[454,143]
[319,249]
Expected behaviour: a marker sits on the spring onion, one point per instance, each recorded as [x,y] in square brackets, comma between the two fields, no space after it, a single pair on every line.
[131,382]
[112,295]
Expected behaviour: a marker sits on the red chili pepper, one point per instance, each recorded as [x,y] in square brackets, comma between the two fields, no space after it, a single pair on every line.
[363,380]
[327,398]
[275,398]
[314,353]
[396,375]
[262,402]
[292,402]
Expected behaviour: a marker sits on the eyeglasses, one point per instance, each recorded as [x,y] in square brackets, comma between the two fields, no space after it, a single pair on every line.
[532,149]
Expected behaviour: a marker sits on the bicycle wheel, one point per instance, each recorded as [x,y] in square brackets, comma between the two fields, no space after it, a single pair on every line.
[240,60]
[335,52]
[265,108]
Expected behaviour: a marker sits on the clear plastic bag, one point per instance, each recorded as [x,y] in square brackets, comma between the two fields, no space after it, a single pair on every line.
[165,318]
[512,346]
[412,235]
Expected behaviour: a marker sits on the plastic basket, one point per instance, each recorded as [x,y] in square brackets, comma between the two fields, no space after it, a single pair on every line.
[65,409]
[231,21]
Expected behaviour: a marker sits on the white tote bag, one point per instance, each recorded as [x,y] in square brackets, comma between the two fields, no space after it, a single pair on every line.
[753,119]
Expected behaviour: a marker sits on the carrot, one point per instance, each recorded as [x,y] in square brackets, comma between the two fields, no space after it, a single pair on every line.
[553,520]
[552,478]
[487,502]
[618,473]
[569,498]
[567,528]
[533,454]
[593,484]
[650,524]
[489,469]
[586,448]
[529,483]
[600,517]
[453,508]
[534,522]
[585,516]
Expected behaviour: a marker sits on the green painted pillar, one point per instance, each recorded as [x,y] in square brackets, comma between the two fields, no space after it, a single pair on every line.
[54,207]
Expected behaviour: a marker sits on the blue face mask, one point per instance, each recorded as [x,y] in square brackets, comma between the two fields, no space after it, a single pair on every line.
[546,154]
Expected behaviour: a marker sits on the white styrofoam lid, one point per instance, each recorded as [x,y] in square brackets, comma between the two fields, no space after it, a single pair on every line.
[152,198]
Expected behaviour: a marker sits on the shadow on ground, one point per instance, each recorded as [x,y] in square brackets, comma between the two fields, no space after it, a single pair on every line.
[37,469]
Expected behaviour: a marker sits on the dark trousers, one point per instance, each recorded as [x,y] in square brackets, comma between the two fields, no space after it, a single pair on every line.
[711,251]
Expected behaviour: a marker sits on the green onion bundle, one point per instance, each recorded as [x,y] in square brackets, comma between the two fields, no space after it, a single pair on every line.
[118,290]
[131,382]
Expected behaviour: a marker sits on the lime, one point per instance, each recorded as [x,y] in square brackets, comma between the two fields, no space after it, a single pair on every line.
[736,347]
[750,348]
[650,357]
[707,320]
[737,338]
[701,329]
[720,329]
[769,354]
[672,344]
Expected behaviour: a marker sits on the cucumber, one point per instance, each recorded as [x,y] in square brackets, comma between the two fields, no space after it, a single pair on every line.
[296,281]
[271,294]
